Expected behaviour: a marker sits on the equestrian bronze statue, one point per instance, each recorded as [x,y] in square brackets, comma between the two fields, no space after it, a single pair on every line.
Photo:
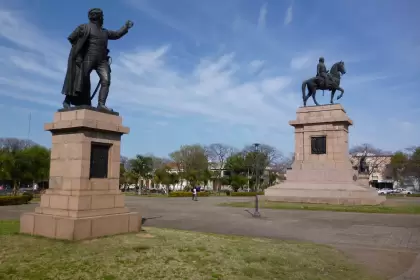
[324,80]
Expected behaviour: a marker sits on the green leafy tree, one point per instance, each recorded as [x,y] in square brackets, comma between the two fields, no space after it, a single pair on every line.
[36,163]
[166,177]
[23,161]
[141,167]
[238,181]
[238,170]
[406,165]
[192,164]
[413,166]
[399,162]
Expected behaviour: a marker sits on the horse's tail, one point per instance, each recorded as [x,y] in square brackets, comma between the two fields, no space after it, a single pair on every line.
[304,84]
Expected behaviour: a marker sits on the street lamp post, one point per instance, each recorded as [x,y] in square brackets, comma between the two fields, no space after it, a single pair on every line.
[256,164]
[256,213]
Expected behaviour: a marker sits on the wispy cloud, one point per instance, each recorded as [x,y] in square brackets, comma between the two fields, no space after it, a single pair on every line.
[289,15]
[262,16]
[146,78]
[300,62]
[222,64]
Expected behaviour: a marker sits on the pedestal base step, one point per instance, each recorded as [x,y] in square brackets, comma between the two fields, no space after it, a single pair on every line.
[69,228]
[330,194]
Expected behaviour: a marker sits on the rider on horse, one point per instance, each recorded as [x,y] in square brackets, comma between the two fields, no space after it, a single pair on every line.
[321,71]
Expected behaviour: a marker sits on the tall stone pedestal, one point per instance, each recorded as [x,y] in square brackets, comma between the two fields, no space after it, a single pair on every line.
[322,171]
[83,200]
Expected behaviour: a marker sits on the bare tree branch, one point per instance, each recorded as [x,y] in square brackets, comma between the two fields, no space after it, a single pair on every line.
[217,154]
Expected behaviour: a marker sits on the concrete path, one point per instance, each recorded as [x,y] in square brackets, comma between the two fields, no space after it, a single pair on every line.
[388,244]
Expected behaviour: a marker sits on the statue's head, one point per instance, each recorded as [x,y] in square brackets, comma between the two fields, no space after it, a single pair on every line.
[96,15]
[321,59]
[342,67]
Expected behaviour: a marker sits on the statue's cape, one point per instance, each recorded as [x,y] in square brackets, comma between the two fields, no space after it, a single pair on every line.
[73,82]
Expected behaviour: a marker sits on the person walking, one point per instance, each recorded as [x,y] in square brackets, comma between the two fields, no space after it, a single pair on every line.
[194,196]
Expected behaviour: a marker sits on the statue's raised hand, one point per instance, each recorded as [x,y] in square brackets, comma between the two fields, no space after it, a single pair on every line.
[129,24]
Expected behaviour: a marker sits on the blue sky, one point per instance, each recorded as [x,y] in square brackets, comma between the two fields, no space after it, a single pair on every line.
[195,71]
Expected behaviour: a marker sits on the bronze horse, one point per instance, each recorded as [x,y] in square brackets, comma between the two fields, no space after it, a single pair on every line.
[315,83]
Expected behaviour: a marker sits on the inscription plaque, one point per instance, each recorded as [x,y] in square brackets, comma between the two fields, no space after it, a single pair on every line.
[319,145]
[99,154]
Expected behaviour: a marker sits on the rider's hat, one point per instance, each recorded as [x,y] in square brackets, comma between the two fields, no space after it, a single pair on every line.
[321,59]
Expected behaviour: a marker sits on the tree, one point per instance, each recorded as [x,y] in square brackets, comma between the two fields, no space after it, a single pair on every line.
[141,167]
[164,176]
[413,164]
[236,163]
[217,154]
[258,158]
[236,166]
[13,145]
[238,181]
[270,155]
[398,164]
[283,164]
[376,158]
[192,163]
[37,162]
[23,162]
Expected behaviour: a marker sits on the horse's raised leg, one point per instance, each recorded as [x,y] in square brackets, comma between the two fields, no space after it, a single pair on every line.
[314,98]
[332,96]
[342,92]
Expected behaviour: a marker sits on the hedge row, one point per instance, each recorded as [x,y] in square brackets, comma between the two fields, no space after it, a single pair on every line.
[187,194]
[246,193]
[15,199]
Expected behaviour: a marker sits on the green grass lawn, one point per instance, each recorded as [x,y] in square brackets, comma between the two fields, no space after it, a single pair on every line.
[169,254]
[397,209]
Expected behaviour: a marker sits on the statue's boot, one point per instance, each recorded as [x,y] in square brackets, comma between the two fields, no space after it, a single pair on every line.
[103,95]
[66,103]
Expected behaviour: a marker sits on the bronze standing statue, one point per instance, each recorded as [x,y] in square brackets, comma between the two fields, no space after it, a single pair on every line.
[324,80]
[89,52]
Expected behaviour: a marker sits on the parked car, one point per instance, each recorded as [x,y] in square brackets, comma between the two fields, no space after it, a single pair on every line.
[386,191]
[407,192]
[5,190]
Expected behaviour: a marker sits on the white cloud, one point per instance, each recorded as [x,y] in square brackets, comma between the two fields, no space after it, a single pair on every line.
[276,84]
[144,79]
[262,16]
[256,65]
[289,15]
[300,62]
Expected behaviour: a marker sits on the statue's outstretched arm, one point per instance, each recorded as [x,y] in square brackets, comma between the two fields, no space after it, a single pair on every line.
[115,35]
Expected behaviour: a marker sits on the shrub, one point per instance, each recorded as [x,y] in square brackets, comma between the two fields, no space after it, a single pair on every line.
[246,193]
[187,194]
[14,200]
[29,194]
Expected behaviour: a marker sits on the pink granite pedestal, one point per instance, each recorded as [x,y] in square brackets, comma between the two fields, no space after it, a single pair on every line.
[322,178]
[79,205]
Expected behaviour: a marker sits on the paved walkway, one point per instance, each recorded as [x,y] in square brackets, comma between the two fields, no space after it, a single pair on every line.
[387,243]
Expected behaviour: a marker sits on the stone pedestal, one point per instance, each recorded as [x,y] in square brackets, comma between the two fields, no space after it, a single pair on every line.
[83,200]
[363,180]
[322,177]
